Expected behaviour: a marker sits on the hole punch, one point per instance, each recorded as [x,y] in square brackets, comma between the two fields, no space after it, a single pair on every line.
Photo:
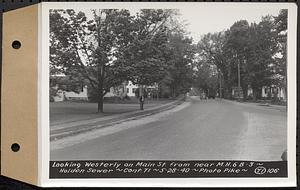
[15,147]
[16,44]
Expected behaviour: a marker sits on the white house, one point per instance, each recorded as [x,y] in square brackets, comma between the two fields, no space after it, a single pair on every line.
[130,89]
[272,91]
[127,88]
[267,92]
[62,95]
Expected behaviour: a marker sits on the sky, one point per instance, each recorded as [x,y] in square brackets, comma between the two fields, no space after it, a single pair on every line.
[200,22]
[202,18]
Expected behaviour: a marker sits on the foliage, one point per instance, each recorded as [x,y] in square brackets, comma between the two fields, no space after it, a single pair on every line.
[144,58]
[181,52]
[280,24]
[84,48]
[207,77]
[108,49]
[152,48]
[258,51]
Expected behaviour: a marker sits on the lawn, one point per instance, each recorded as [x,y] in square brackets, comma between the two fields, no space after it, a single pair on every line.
[68,111]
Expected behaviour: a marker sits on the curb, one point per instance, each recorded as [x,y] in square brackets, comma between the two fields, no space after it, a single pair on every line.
[267,105]
[69,131]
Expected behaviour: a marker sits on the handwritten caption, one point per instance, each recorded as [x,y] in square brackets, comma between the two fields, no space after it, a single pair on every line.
[100,169]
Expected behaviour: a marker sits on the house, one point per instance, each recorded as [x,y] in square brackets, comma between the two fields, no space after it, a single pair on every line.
[267,92]
[130,89]
[125,89]
[62,95]
[273,91]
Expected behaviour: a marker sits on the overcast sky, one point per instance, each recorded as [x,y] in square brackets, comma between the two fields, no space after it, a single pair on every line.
[202,18]
[201,21]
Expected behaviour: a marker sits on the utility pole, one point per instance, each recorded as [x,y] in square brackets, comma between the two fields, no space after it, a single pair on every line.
[207,92]
[220,76]
[239,76]
[157,91]
[239,80]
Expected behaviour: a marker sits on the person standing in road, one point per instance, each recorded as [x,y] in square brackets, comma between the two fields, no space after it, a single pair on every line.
[142,100]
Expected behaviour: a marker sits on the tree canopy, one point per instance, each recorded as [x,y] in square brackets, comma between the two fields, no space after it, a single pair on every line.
[256,50]
[150,47]
[112,47]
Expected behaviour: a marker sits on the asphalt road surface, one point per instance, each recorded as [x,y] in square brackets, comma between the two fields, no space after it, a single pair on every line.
[196,130]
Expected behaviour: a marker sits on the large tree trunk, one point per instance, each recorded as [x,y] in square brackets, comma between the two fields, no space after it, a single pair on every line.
[100,104]
[227,91]
[173,91]
[226,88]
[101,67]
[259,93]
[254,94]
[100,87]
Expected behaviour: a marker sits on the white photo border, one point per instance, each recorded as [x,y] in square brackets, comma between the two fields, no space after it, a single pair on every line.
[43,104]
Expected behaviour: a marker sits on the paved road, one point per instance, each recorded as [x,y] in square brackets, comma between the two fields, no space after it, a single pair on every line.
[197,130]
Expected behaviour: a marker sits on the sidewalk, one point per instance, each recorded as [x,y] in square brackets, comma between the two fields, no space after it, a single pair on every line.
[278,107]
[63,129]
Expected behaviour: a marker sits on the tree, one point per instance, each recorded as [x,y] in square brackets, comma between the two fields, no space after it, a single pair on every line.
[249,50]
[206,77]
[237,49]
[280,67]
[260,59]
[87,48]
[211,51]
[145,58]
[253,46]
[179,77]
